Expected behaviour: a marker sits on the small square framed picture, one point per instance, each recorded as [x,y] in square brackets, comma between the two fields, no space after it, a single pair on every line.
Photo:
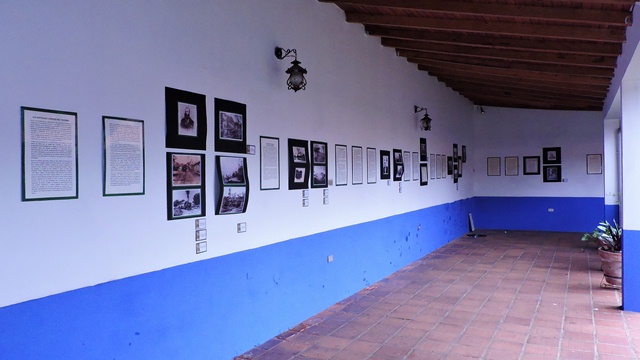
[552,173]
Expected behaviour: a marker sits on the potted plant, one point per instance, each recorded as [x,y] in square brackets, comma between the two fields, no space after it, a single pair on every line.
[609,240]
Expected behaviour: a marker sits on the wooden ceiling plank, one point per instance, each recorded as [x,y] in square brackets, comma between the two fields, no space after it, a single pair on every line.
[477,84]
[597,62]
[520,92]
[487,100]
[519,11]
[538,30]
[488,42]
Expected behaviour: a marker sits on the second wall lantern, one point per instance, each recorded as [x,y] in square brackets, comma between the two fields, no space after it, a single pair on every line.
[296,80]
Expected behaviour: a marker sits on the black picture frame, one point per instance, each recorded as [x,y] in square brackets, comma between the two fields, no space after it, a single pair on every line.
[531,165]
[423,149]
[232,185]
[184,129]
[552,173]
[449,165]
[319,164]
[464,153]
[424,174]
[385,164]
[298,164]
[552,155]
[398,165]
[186,190]
[455,151]
[230,126]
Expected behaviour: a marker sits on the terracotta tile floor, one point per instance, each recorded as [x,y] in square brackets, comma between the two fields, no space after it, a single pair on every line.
[516,295]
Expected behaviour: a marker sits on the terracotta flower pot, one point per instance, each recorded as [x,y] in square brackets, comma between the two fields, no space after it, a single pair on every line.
[611,266]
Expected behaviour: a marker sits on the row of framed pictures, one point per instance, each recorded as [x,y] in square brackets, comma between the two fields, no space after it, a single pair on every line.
[186,195]
[531,166]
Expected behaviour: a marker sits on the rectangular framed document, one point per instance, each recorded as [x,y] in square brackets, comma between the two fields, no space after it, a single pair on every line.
[341,165]
[415,165]
[356,165]
[269,163]
[511,166]
[406,156]
[49,154]
[493,166]
[594,164]
[432,166]
[123,162]
[531,165]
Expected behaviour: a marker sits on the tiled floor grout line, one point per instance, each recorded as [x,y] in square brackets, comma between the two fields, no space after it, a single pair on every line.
[564,310]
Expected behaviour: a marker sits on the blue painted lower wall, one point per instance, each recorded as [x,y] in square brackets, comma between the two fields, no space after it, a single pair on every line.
[222,307]
[611,213]
[532,213]
[631,270]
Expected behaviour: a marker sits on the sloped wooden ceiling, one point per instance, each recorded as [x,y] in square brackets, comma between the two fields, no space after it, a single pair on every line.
[540,54]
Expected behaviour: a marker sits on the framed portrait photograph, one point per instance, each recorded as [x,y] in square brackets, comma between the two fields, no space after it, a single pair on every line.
[531,165]
[123,161]
[186,203]
[423,149]
[185,185]
[551,155]
[552,173]
[230,126]
[594,164]
[357,165]
[319,177]
[232,200]
[298,164]
[341,165]
[269,163]
[424,174]
[385,165]
[493,166]
[511,166]
[398,165]
[372,166]
[186,119]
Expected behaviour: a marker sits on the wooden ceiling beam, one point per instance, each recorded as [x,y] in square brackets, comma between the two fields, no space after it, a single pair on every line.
[419,57]
[596,62]
[487,100]
[479,85]
[483,27]
[494,42]
[520,93]
[526,12]
[514,73]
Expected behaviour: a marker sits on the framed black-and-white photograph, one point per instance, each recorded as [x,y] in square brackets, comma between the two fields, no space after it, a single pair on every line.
[341,165]
[511,166]
[319,177]
[385,164]
[186,203]
[47,174]
[398,165]
[424,174]
[406,156]
[232,170]
[186,119]
[432,166]
[531,165]
[493,166]
[594,164]
[123,161]
[269,163]
[233,200]
[551,155]
[186,169]
[449,165]
[231,126]
[552,173]
[423,149]
[357,165]
[464,153]
[372,166]
[415,165]
[185,185]
[299,170]
[455,151]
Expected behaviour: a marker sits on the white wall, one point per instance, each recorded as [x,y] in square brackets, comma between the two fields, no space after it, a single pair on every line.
[115,58]
[504,132]
[611,191]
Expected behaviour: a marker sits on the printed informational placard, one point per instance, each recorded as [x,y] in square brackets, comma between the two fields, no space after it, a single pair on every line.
[49,154]
[269,163]
[123,156]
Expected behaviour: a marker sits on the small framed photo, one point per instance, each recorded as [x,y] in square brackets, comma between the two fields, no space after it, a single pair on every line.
[233,200]
[424,174]
[319,164]
[298,164]
[231,126]
[319,179]
[493,166]
[511,166]
[186,119]
[449,165]
[185,185]
[398,165]
[385,164]
[423,149]
[551,155]
[531,165]
[186,203]
[319,151]
[464,153]
[594,164]
[232,170]
[552,173]
[186,169]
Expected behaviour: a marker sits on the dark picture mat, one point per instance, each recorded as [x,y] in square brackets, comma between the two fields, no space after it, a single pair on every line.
[552,155]
[299,170]
[319,157]
[552,173]
[232,187]
[172,191]
[398,165]
[531,165]
[223,143]
[385,165]
[173,138]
